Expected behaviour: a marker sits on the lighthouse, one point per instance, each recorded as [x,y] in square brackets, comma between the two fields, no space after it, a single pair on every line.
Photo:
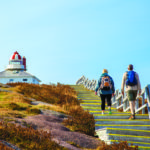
[16,71]
[16,62]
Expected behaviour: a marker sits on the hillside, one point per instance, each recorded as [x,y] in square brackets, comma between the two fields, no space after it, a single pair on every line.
[45,117]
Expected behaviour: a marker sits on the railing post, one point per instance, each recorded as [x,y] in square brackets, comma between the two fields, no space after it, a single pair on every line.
[148,98]
[117,92]
[137,105]
[114,98]
[117,104]
[127,103]
[124,105]
[143,102]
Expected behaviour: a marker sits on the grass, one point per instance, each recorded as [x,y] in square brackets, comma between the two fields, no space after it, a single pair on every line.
[81,121]
[17,104]
[74,144]
[13,104]
[4,147]
[53,108]
[122,145]
[62,97]
[27,138]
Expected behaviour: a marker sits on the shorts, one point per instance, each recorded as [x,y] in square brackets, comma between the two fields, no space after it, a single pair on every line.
[131,95]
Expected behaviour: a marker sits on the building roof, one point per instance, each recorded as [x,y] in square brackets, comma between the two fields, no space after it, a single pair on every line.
[16,74]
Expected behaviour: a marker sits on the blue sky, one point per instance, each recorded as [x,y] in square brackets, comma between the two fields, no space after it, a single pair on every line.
[65,39]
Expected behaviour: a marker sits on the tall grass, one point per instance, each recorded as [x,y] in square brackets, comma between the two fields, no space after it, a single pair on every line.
[65,97]
[54,94]
[16,105]
[27,138]
[5,147]
[81,121]
[122,145]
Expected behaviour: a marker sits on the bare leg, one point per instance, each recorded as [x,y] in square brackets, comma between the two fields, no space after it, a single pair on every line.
[132,106]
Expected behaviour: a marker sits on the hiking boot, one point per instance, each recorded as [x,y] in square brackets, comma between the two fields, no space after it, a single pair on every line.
[132,117]
[110,112]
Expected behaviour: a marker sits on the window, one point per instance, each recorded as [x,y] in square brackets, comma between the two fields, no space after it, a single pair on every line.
[15,62]
[25,79]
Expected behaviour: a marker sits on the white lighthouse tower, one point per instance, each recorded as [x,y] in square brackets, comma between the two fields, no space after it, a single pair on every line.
[16,71]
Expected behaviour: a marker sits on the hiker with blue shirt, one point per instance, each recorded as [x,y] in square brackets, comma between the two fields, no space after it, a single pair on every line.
[132,86]
[106,88]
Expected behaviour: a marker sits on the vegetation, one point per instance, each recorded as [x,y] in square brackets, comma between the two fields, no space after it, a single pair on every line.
[81,121]
[54,94]
[63,99]
[4,147]
[63,96]
[122,145]
[27,138]
[15,105]
[140,104]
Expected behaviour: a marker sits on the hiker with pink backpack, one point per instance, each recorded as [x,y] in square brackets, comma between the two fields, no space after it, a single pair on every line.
[106,89]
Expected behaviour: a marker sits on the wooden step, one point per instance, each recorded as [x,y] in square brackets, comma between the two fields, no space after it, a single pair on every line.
[91,105]
[133,138]
[91,101]
[123,121]
[122,126]
[90,98]
[109,134]
[119,116]
[97,108]
[133,132]
[100,111]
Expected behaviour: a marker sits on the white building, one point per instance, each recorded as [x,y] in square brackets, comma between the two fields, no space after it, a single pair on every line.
[16,71]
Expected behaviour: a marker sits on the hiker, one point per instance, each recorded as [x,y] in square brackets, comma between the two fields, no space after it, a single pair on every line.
[132,86]
[106,88]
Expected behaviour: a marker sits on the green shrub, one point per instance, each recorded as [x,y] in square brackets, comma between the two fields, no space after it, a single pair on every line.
[80,120]
[33,111]
[16,115]
[15,106]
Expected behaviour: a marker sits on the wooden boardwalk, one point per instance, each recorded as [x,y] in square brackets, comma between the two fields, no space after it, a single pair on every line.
[117,126]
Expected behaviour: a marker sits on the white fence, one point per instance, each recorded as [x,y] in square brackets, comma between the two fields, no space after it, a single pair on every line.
[118,100]
[91,85]
[142,101]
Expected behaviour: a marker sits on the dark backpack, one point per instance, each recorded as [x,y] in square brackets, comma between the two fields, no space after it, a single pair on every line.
[131,80]
[105,83]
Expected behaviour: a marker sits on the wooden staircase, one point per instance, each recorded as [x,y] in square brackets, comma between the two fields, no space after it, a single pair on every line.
[117,126]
